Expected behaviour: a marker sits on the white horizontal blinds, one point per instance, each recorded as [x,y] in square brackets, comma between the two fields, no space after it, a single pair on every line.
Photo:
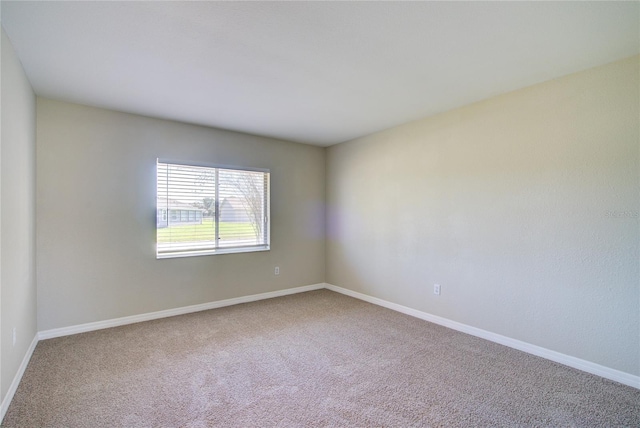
[202,210]
[187,193]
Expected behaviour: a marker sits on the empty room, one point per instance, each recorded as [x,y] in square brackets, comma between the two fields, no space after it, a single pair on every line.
[338,214]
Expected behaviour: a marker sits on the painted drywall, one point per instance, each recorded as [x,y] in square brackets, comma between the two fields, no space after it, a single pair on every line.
[524,208]
[17,215]
[96,216]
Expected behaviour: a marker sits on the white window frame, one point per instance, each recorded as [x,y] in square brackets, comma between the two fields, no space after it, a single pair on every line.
[204,250]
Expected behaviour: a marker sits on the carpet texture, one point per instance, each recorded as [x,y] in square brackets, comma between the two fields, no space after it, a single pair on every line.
[311,359]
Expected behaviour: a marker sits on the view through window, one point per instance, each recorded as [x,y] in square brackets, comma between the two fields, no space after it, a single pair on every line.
[210,210]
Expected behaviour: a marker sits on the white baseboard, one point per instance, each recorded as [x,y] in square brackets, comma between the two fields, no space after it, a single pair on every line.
[567,360]
[577,363]
[17,378]
[99,325]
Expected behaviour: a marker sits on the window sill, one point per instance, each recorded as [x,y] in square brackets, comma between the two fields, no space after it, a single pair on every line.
[212,252]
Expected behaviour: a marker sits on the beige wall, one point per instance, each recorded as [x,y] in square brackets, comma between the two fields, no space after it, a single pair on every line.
[507,204]
[17,215]
[96,216]
[523,207]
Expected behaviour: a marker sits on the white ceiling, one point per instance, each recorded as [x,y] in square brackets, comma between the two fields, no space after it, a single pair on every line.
[312,72]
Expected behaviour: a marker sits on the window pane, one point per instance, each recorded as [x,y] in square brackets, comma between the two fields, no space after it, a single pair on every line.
[191,195]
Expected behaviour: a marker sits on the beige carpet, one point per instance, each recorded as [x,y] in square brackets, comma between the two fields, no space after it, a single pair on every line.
[312,359]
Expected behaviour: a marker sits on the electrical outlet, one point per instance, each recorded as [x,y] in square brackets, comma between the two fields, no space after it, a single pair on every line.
[276,271]
[436,289]
[15,336]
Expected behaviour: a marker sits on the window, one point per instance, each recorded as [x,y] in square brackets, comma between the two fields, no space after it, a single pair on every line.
[212,210]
